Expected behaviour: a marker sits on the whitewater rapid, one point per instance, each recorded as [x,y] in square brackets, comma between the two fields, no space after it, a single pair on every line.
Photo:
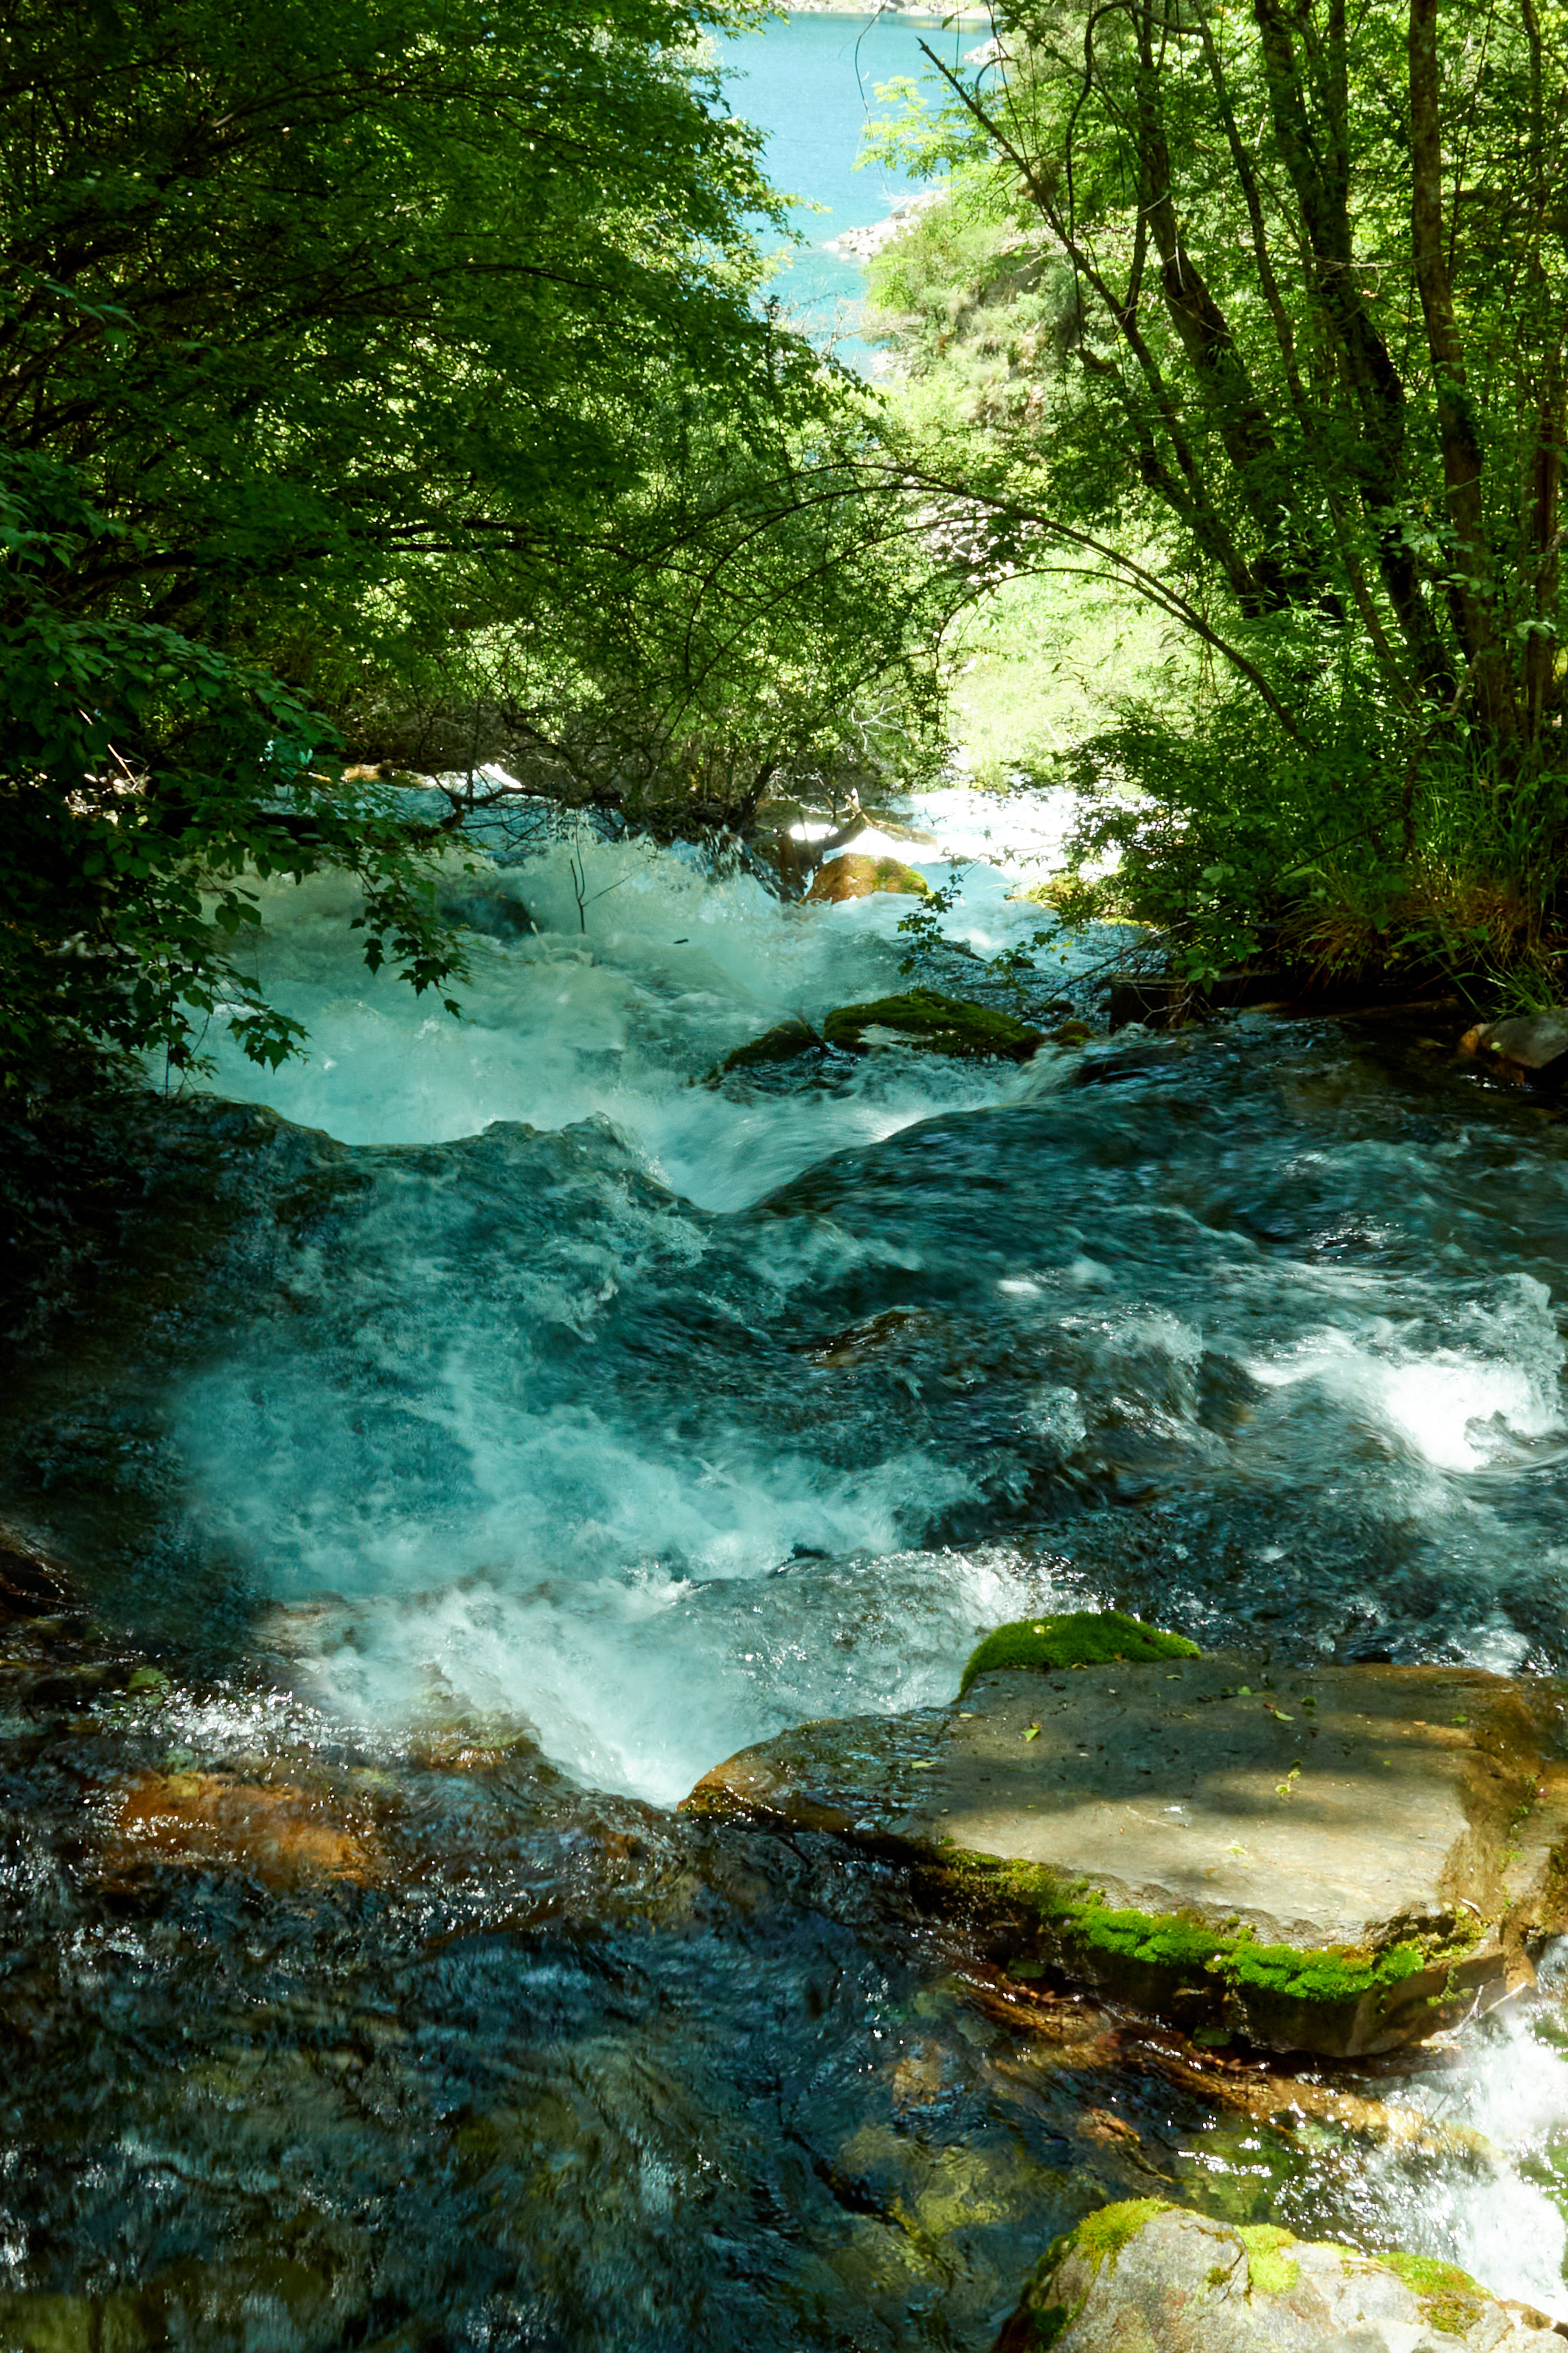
[522,1395]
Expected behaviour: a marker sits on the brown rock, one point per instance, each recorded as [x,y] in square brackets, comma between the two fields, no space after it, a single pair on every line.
[1531,1041]
[277,1832]
[855,876]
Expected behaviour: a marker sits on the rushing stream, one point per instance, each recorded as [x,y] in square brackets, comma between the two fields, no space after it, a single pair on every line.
[522,1425]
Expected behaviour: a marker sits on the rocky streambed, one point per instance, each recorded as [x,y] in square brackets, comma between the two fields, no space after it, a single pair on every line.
[1341,1861]
[429,1478]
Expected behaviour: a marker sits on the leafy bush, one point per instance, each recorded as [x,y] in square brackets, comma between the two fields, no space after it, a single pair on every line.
[146,780]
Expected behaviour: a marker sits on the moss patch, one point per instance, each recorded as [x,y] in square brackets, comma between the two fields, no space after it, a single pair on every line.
[1082,1638]
[785,1043]
[1450,2299]
[1100,2237]
[1269,2267]
[940,1024]
[1098,2240]
[1089,1928]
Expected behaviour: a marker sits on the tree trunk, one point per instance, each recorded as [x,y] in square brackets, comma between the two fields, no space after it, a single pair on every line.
[1471,596]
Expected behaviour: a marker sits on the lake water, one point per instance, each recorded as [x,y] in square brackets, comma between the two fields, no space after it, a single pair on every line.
[810,83]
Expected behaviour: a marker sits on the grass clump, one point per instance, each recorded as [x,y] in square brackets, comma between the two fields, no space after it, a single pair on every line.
[1079,1638]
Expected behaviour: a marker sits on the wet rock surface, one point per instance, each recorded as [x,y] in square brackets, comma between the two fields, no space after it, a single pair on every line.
[1536,1043]
[938,1024]
[786,1041]
[855,875]
[287,1835]
[1334,1861]
[1144,2277]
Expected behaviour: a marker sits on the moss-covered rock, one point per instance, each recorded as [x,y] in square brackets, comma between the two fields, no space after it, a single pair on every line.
[855,876]
[1449,2298]
[1331,1997]
[938,1024]
[1338,1861]
[1080,1638]
[785,1042]
[1149,2277]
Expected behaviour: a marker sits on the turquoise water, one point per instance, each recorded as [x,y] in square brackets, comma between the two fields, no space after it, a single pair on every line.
[810,84]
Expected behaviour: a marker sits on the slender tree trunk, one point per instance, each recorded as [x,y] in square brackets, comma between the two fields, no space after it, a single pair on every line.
[1473,591]
[1543,529]
[1317,173]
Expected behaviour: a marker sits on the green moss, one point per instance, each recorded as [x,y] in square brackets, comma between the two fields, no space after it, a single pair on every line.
[1336,1974]
[1428,2277]
[1100,2237]
[1450,2299]
[1159,1940]
[941,1025]
[1269,2267]
[1080,1638]
[1080,1922]
[784,1043]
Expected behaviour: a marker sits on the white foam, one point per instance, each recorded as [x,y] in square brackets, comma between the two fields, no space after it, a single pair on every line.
[1481,2209]
[645,974]
[643,1684]
[1459,1406]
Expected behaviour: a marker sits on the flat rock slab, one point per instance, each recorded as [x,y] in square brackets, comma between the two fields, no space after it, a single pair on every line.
[1147,2278]
[1389,1834]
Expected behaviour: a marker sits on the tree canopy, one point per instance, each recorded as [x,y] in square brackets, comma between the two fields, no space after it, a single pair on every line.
[389,376]
[1276,312]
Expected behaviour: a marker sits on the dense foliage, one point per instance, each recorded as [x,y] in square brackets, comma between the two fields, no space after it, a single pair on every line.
[385,379]
[1260,310]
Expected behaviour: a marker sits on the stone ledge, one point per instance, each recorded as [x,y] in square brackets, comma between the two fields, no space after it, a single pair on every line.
[1339,1862]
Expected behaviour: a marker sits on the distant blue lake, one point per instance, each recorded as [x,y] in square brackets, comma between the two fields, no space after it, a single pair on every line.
[808,84]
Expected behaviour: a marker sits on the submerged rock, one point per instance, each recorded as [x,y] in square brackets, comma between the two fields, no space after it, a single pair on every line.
[1146,2278]
[277,1832]
[858,876]
[1337,1861]
[938,1024]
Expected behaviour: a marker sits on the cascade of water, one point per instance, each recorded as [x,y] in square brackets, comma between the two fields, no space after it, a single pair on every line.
[562,1395]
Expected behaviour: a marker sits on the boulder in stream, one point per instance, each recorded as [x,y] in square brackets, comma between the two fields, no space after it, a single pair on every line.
[858,876]
[1534,1042]
[1146,2278]
[1337,1860]
[785,1042]
[937,1024]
